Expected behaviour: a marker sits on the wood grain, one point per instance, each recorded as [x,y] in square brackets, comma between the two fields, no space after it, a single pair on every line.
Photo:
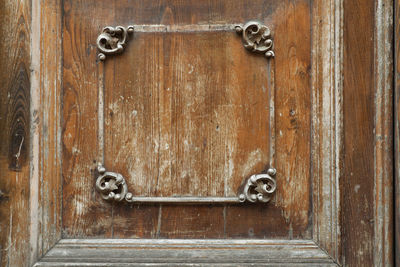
[333,140]
[293,113]
[327,124]
[15,19]
[46,184]
[83,213]
[367,184]
[191,117]
[396,113]
[181,252]
[383,145]
[358,184]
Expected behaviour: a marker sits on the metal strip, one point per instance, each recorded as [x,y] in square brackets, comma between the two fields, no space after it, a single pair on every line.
[258,188]
[186,200]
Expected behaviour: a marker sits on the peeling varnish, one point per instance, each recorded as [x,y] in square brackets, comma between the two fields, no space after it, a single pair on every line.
[327,124]
[383,168]
[35,132]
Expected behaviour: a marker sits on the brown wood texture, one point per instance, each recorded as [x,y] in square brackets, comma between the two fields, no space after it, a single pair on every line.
[30,116]
[358,183]
[15,18]
[46,183]
[397,129]
[15,22]
[334,142]
[83,213]
[327,126]
[184,252]
[186,113]
[366,184]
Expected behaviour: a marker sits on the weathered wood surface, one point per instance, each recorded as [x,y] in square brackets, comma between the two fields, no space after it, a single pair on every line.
[396,124]
[327,126]
[123,252]
[186,113]
[83,213]
[335,139]
[366,182]
[15,23]
[45,179]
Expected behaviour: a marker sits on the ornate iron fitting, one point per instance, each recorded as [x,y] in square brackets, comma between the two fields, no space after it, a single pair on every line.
[111,185]
[112,40]
[258,188]
[256,38]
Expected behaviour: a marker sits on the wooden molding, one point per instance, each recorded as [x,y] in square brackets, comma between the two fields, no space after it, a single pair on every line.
[182,252]
[327,129]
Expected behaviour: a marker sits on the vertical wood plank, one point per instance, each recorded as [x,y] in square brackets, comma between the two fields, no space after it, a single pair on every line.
[358,87]
[397,129]
[327,124]
[292,112]
[84,214]
[383,134]
[15,122]
[367,183]
[47,53]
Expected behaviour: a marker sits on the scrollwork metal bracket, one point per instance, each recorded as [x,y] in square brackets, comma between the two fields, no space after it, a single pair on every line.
[256,38]
[258,188]
[112,40]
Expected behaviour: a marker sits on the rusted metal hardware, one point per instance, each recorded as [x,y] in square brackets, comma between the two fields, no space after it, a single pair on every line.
[256,38]
[258,188]
[112,40]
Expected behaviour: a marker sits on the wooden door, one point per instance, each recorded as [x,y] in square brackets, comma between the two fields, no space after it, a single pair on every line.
[198,133]
[185,111]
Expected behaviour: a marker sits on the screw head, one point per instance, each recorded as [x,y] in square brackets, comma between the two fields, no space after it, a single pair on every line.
[238,29]
[128,196]
[269,54]
[101,57]
[271,171]
[130,29]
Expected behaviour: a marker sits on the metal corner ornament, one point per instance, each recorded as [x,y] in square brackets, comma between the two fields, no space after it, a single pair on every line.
[112,40]
[256,38]
[258,188]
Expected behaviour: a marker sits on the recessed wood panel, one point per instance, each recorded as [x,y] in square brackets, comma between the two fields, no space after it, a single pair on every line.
[186,114]
[186,111]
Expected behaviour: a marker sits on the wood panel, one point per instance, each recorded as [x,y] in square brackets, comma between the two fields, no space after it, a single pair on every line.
[366,199]
[15,23]
[383,145]
[292,65]
[178,12]
[46,150]
[397,130]
[83,213]
[186,114]
[358,184]
[192,140]
[293,113]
